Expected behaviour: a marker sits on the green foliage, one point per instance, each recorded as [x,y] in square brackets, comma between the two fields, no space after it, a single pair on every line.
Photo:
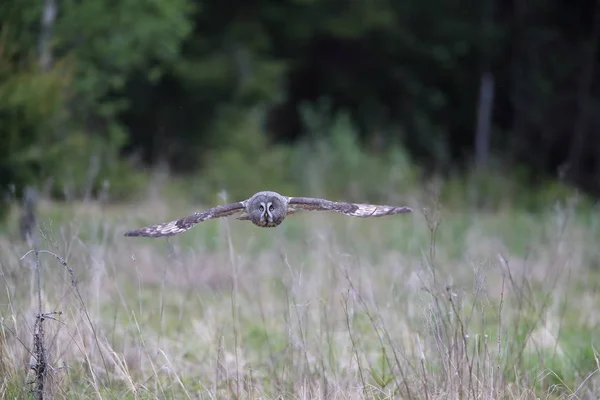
[246,163]
[29,103]
[59,127]
[160,80]
[34,148]
[328,164]
[333,162]
[110,42]
[93,166]
[513,188]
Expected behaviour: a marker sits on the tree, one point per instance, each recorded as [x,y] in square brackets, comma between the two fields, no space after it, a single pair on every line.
[62,103]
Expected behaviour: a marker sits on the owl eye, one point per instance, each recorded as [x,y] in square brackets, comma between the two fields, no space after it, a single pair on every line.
[261,208]
[271,208]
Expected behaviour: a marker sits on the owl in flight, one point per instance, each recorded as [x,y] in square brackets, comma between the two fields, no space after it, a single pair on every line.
[267,210]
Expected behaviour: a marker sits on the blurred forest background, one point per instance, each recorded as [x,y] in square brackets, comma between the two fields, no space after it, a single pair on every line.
[95,95]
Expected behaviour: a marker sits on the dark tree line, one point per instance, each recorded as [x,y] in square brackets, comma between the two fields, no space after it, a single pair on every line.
[456,82]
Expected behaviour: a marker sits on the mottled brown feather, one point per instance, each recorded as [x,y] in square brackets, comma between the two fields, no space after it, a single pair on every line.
[350,209]
[183,224]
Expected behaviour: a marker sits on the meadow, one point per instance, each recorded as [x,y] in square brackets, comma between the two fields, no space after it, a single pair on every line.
[444,303]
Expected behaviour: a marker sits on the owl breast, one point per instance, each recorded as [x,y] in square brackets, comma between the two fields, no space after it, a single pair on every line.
[266,222]
[273,223]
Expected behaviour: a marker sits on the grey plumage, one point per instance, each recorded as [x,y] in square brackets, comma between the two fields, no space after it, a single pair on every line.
[267,210]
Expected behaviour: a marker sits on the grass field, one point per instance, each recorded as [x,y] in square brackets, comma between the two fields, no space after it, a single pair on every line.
[439,304]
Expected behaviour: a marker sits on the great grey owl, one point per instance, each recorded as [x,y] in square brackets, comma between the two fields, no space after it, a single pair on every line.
[267,210]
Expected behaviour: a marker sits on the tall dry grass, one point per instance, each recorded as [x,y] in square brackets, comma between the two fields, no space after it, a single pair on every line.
[435,305]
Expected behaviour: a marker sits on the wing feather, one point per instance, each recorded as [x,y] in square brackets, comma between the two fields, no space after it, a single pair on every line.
[183,224]
[350,209]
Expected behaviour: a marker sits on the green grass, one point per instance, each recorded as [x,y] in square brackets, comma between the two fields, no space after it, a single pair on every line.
[489,305]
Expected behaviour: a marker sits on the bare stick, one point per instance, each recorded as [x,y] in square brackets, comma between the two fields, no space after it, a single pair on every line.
[38,333]
[40,365]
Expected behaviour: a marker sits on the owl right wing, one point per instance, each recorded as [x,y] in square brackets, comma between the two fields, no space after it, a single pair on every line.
[184,224]
[350,209]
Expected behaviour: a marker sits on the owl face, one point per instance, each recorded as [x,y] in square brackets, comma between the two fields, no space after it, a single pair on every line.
[267,211]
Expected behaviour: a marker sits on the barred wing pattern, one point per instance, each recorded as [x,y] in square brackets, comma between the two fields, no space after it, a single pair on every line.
[184,224]
[350,209]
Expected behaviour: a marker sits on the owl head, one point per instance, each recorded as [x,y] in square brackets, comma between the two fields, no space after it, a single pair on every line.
[267,209]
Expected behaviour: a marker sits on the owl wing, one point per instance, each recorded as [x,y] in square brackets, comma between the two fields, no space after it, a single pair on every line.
[184,224]
[350,209]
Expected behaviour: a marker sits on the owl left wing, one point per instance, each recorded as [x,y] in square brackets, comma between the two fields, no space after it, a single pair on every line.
[186,223]
[350,209]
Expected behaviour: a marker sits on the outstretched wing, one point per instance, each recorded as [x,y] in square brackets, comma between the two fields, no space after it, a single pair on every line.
[183,224]
[351,209]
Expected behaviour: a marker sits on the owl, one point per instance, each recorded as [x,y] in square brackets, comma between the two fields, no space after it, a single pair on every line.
[267,210]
